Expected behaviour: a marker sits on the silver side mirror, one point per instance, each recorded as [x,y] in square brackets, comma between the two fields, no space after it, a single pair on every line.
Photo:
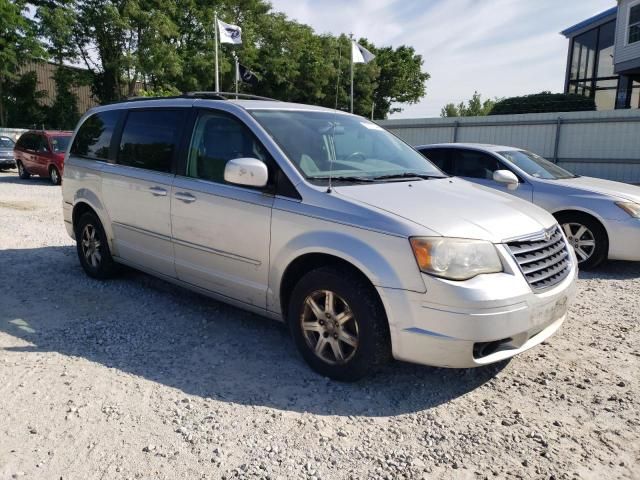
[506,177]
[249,172]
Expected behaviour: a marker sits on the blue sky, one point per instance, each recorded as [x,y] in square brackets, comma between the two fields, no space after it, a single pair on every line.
[497,47]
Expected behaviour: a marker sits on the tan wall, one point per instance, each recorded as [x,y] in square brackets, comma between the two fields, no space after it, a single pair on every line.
[44,72]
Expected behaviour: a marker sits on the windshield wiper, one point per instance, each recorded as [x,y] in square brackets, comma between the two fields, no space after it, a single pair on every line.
[424,176]
[345,178]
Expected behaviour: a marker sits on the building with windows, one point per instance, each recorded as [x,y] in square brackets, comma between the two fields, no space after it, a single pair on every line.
[604,57]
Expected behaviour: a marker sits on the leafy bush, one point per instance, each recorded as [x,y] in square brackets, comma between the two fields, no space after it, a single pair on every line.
[544,102]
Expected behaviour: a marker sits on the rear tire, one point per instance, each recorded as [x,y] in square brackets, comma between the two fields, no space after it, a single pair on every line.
[588,238]
[54,175]
[93,248]
[338,324]
[22,171]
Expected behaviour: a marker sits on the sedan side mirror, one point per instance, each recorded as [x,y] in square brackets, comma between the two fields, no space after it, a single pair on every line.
[506,177]
[249,172]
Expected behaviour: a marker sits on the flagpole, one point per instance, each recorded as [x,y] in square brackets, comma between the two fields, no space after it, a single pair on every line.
[351,37]
[235,57]
[215,30]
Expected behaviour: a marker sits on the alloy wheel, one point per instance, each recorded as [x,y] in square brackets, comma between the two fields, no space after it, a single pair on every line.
[581,239]
[329,327]
[54,176]
[91,246]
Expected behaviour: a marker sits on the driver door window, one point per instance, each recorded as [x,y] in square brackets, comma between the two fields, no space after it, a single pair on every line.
[218,138]
[472,164]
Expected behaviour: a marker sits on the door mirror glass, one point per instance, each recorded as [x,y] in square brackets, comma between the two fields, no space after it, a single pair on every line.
[249,172]
[506,177]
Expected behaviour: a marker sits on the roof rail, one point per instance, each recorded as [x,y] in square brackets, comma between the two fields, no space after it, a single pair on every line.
[225,96]
[202,95]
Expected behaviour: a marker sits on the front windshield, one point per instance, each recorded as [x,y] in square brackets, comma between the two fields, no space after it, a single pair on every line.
[60,143]
[6,142]
[535,165]
[347,147]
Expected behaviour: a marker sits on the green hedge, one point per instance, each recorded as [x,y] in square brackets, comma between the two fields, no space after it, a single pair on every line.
[544,102]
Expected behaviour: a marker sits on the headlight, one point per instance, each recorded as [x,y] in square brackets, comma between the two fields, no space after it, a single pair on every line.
[631,208]
[455,258]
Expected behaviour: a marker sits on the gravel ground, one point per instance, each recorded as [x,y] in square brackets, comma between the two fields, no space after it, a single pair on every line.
[137,379]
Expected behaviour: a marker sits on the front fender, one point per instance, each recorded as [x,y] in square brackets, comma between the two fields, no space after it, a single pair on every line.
[386,260]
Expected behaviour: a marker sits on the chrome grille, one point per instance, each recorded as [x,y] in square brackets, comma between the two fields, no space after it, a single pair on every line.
[543,259]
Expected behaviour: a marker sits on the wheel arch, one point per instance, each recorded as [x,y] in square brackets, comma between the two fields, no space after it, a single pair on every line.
[307,262]
[84,205]
[578,212]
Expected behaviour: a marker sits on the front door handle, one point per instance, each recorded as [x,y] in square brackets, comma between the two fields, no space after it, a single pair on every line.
[185,197]
[158,191]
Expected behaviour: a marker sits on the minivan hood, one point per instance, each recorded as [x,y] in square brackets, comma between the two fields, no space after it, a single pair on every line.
[603,187]
[454,208]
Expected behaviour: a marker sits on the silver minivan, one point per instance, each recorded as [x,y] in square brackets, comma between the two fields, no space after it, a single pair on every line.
[321,219]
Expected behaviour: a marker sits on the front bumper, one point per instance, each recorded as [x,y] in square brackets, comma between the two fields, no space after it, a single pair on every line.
[624,239]
[476,322]
[7,163]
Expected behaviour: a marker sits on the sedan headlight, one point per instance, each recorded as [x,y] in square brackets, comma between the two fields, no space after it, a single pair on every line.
[631,208]
[455,258]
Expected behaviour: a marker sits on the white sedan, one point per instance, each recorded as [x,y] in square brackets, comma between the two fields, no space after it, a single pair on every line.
[600,218]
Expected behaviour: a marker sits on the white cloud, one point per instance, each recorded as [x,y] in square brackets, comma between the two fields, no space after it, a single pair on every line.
[497,47]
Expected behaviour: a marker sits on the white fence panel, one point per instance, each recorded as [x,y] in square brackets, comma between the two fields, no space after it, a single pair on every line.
[600,144]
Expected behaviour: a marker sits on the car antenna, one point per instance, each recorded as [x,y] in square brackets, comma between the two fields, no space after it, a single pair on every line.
[332,153]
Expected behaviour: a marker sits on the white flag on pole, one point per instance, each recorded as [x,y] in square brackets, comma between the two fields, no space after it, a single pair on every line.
[229,33]
[359,54]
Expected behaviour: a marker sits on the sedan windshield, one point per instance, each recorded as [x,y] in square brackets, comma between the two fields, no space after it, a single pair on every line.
[6,142]
[60,143]
[535,165]
[347,148]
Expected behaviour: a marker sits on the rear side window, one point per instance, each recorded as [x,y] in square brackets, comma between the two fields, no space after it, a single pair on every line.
[150,139]
[27,141]
[42,146]
[94,136]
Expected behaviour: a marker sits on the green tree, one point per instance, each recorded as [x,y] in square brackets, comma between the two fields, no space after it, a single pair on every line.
[57,21]
[166,46]
[24,108]
[401,79]
[475,107]
[18,43]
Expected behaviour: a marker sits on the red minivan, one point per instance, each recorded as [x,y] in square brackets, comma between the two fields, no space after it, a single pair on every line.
[41,152]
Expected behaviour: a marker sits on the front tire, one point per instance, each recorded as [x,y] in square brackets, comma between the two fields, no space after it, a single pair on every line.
[93,248]
[338,324]
[22,172]
[588,238]
[54,175]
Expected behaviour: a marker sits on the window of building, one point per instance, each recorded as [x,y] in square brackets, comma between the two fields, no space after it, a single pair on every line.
[634,24]
[218,138]
[150,139]
[592,66]
[606,41]
[605,94]
[94,137]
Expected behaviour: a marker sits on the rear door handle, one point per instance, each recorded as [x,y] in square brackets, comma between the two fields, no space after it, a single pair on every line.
[185,197]
[158,191]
